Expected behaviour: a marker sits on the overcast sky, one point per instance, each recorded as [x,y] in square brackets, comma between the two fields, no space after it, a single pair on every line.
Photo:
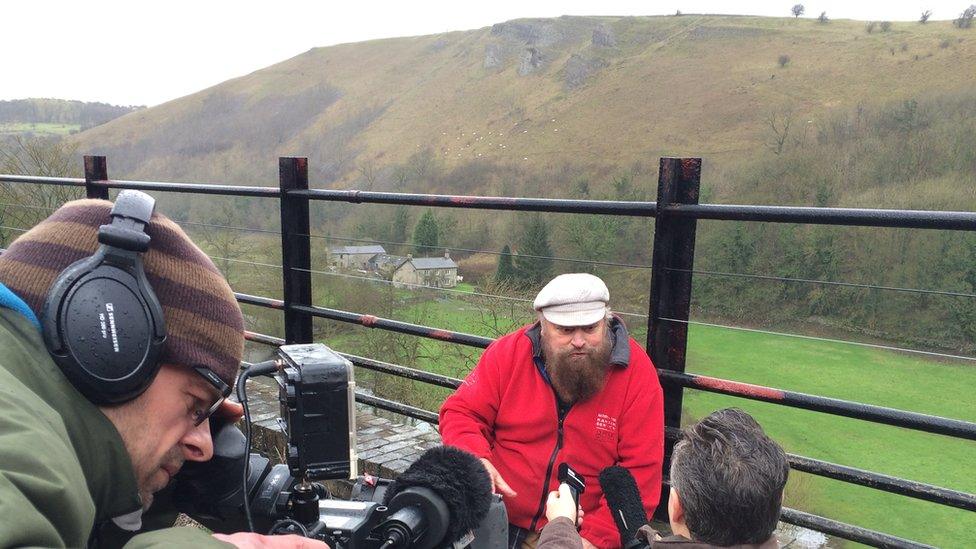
[146,52]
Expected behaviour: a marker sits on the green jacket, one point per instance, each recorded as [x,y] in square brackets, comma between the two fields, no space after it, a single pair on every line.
[63,465]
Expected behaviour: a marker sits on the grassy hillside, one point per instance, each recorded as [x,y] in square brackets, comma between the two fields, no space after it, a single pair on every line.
[534,93]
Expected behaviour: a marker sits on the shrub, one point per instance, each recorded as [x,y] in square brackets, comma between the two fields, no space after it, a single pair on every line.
[965,19]
[783,60]
[885,26]
[871,26]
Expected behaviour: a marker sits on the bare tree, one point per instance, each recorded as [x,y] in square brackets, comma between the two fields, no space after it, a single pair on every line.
[223,240]
[925,17]
[368,171]
[965,19]
[778,130]
[797,10]
[24,205]
[823,18]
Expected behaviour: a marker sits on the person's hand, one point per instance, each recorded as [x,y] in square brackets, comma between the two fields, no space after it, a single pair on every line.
[498,484]
[587,544]
[248,540]
[230,411]
[561,504]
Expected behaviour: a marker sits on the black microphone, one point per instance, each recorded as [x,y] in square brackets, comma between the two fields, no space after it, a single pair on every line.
[623,498]
[441,497]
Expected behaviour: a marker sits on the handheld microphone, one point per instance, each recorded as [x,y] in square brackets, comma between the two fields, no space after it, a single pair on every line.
[439,499]
[576,483]
[625,504]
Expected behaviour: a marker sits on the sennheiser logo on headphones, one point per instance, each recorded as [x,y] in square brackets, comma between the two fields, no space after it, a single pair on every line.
[110,327]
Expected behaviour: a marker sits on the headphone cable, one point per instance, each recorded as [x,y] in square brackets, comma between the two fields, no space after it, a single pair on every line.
[261,368]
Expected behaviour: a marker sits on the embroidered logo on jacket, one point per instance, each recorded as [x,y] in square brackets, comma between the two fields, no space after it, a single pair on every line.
[606,427]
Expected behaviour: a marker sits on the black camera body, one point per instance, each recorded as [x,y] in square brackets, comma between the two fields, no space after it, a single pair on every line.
[317,393]
[317,398]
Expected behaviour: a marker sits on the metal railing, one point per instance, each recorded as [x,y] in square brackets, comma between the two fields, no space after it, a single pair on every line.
[676,212]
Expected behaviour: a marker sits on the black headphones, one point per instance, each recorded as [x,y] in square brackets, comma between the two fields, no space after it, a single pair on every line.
[101,321]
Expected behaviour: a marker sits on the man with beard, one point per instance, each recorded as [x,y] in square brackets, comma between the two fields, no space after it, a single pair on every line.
[92,424]
[572,388]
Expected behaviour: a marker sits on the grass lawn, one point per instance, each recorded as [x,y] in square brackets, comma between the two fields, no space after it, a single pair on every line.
[38,128]
[835,370]
[863,375]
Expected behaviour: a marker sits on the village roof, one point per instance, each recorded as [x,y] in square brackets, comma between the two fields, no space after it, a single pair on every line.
[425,263]
[384,259]
[359,250]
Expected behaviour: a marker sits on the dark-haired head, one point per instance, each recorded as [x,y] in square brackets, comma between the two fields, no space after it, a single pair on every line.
[729,478]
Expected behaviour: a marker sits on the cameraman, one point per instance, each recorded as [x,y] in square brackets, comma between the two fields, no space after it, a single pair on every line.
[727,481]
[80,460]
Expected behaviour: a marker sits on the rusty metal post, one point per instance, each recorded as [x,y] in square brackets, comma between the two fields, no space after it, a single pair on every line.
[95,170]
[674,248]
[295,249]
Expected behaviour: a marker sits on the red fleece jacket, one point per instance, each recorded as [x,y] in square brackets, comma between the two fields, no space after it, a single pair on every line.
[506,411]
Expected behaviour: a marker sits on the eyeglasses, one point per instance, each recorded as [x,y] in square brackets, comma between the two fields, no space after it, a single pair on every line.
[218,384]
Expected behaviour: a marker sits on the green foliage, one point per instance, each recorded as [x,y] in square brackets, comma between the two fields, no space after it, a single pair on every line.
[400,226]
[58,112]
[506,268]
[534,260]
[964,309]
[426,235]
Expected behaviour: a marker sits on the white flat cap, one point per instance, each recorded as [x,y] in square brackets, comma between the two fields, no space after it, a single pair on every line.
[574,299]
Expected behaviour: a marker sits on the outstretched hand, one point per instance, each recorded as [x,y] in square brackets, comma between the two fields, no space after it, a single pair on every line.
[561,504]
[498,484]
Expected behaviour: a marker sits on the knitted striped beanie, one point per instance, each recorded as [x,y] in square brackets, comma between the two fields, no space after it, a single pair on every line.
[204,325]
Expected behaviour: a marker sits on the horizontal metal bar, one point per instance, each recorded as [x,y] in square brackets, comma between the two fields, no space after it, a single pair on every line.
[371,321]
[848,531]
[870,479]
[263,338]
[37,180]
[393,406]
[909,219]
[608,207]
[404,372]
[878,414]
[196,188]
[895,485]
[260,301]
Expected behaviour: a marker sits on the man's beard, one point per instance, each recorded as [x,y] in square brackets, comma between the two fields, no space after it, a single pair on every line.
[577,378]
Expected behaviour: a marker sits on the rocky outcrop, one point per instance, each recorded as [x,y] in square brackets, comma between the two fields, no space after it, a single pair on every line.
[603,38]
[494,55]
[578,69]
[530,61]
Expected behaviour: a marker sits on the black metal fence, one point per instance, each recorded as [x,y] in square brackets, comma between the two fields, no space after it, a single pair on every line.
[676,212]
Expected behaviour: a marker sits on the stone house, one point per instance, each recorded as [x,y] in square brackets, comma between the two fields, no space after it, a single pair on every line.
[437,272]
[354,257]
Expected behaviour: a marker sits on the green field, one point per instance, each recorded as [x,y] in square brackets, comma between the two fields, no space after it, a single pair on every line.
[859,374]
[829,369]
[40,128]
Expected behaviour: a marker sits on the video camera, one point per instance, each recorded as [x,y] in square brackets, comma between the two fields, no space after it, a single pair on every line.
[443,499]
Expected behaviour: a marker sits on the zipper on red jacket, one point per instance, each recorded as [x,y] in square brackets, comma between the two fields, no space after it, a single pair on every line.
[561,414]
